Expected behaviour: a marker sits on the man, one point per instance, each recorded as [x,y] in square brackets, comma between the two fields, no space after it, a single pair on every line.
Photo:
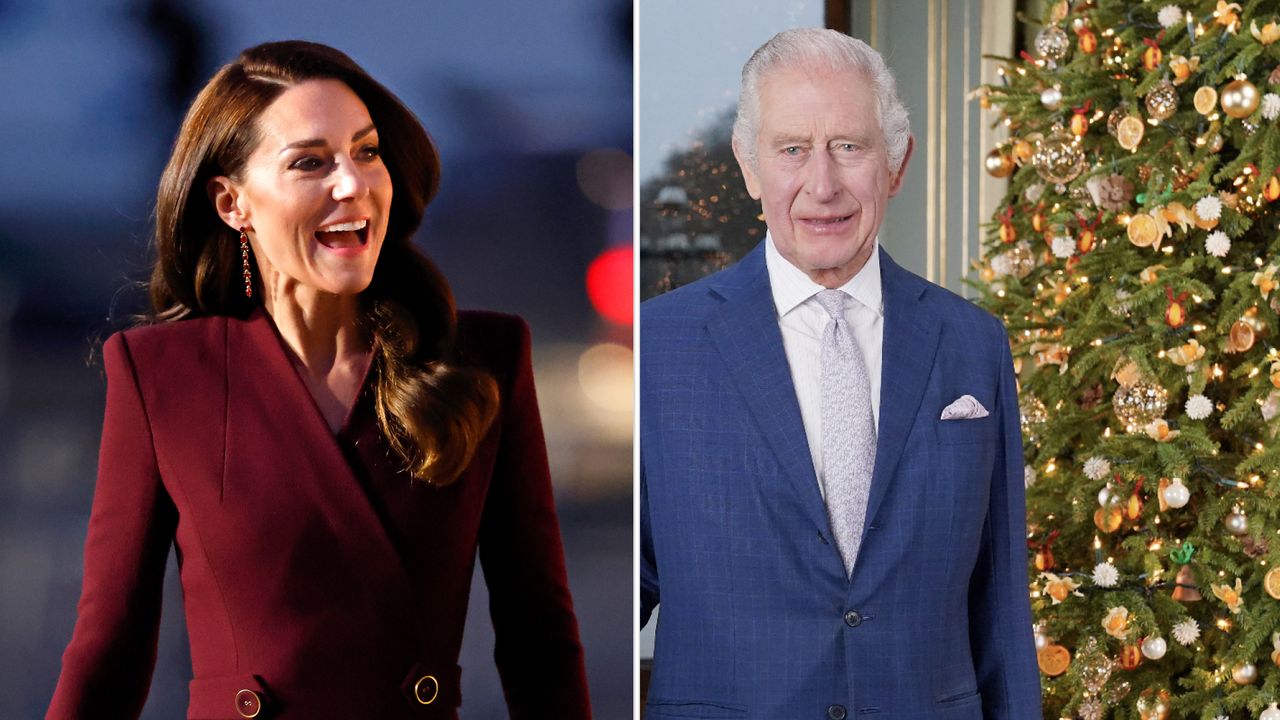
[832,511]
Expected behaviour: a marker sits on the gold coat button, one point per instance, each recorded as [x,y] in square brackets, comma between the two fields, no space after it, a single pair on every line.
[426,689]
[248,704]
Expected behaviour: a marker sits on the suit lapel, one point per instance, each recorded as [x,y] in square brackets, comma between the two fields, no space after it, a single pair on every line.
[745,331]
[910,343]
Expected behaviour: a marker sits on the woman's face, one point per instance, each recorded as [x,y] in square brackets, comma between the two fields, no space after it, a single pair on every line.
[314,194]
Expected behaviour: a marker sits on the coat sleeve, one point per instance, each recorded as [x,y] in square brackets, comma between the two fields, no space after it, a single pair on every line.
[106,669]
[537,650]
[999,604]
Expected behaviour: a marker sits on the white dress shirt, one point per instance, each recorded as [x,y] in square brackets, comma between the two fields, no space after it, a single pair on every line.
[802,321]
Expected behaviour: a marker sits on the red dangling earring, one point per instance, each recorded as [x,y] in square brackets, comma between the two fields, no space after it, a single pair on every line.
[244,264]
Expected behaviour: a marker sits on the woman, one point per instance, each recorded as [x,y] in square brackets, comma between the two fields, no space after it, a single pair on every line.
[322,437]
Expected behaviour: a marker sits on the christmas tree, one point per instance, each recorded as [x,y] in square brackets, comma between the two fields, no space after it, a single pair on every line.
[1134,260]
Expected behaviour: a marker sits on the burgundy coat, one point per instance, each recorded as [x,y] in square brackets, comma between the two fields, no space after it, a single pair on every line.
[318,580]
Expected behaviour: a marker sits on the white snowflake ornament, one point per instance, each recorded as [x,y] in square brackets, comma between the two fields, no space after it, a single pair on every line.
[1209,207]
[1217,244]
[1096,468]
[1064,246]
[1169,16]
[1186,632]
[1270,106]
[1199,407]
[1028,476]
[1105,575]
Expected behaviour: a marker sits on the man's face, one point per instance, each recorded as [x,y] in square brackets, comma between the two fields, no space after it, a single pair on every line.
[821,173]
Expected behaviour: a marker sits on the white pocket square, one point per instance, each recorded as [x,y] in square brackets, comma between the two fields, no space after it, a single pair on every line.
[966,407]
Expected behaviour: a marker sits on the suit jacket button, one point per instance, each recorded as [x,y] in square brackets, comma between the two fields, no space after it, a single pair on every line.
[248,704]
[837,712]
[426,689]
[853,618]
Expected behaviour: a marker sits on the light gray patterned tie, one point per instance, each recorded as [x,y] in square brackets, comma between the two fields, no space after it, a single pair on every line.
[848,429]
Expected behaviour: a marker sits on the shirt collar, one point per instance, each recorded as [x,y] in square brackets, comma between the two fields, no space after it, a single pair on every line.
[791,286]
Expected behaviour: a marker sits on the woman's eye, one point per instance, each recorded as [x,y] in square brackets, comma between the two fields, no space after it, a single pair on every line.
[369,152]
[308,163]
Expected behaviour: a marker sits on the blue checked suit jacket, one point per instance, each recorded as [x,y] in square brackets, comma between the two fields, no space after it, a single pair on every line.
[758,618]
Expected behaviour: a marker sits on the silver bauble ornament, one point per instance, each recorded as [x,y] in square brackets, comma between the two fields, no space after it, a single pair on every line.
[1052,43]
[1051,98]
[1271,713]
[1138,404]
[1162,101]
[1107,498]
[1059,158]
[1177,494]
[1236,523]
[1154,648]
[1245,673]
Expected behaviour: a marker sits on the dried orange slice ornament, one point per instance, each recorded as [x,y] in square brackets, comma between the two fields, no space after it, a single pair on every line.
[1053,660]
[1129,132]
[1143,230]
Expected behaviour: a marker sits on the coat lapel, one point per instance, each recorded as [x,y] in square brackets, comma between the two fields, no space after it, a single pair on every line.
[270,410]
[745,331]
[910,343]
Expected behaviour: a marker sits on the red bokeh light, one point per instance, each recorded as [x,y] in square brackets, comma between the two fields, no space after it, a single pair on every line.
[609,285]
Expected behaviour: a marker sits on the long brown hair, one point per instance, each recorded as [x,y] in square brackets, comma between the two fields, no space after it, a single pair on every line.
[432,411]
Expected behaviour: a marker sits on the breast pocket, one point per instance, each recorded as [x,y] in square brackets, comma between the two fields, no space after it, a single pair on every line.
[974,430]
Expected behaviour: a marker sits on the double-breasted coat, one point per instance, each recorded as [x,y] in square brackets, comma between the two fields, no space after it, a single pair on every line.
[319,580]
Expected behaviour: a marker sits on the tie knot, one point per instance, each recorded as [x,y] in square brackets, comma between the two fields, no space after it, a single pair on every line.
[833,302]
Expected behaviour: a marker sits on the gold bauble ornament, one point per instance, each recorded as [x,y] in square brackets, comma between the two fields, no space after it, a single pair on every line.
[999,163]
[1137,405]
[1108,520]
[1162,101]
[1244,673]
[1059,158]
[1239,98]
[1129,132]
[1022,150]
[1205,100]
[1241,337]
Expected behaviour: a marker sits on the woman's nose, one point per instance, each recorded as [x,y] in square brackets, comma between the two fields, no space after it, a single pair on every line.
[348,182]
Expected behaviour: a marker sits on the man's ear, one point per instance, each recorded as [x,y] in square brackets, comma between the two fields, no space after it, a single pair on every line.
[227,202]
[748,172]
[896,183]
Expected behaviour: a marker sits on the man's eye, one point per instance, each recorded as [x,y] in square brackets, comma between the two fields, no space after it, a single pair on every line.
[847,147]
[791,150]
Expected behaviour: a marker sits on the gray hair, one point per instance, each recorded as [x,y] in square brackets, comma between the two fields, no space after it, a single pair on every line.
[825,49]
